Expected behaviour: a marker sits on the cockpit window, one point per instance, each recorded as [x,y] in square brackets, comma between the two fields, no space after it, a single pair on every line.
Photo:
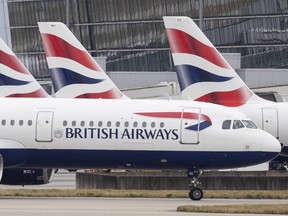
[237,124]
[226,124]
[249,124]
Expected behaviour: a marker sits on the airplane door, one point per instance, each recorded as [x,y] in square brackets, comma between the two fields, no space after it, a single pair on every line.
[44,126]
[190,126]
[270,121]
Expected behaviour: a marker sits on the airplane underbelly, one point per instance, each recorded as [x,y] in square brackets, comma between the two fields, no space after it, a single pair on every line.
[129,159]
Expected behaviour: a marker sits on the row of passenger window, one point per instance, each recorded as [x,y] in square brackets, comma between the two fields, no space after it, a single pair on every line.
[14,122]
[238,124]
[109,124]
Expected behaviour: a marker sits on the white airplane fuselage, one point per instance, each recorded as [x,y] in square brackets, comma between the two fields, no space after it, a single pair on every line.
[270,117]
[67,133]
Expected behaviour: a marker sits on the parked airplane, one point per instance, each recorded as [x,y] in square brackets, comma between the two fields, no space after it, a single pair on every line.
[204,75]
[129,134]
[74,73]
[17,81]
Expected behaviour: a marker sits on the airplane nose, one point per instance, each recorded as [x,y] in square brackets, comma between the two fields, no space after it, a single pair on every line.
[270,146]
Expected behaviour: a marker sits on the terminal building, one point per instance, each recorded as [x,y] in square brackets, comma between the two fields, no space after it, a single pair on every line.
[130,35]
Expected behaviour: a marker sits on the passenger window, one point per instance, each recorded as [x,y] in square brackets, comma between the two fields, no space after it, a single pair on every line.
[73,123]
[91,123]
[249,124]
[82,123]
[135,124]
[153,124]
[237,124]
[100,123]
[226,124]
[117,124]
[20,122]
[161,124]
[12,122]
[3,122]
[29,122]
[64,123]
[144,124]
[126,124]
[109,124]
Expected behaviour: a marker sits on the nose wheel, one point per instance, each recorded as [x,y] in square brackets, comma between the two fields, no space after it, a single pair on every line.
[196,192]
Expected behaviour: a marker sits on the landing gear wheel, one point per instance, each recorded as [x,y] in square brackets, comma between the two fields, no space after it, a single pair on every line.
[196,194]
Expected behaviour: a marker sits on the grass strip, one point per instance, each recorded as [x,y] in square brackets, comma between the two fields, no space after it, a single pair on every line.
[229,194]
[239,209]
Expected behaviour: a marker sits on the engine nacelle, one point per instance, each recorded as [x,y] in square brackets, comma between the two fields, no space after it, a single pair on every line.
[21,176]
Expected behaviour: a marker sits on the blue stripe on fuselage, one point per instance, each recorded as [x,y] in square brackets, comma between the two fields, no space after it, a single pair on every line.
[63,158]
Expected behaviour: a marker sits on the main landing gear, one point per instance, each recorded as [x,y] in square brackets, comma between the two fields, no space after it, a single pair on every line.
[196,192]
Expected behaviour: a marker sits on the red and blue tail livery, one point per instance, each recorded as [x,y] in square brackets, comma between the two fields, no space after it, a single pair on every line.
[15,79]
[74,73]
[203,73]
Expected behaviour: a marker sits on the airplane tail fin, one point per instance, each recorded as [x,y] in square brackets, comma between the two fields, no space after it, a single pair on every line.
[74,73]
[203,73]
[15,79]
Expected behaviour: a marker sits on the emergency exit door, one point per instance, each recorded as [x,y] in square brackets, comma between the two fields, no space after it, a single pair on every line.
[44,126]
[270,121]
[190,126]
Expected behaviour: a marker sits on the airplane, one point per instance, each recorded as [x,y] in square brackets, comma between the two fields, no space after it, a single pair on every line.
[17,81]
[74,73]
[129,134]
[204,75]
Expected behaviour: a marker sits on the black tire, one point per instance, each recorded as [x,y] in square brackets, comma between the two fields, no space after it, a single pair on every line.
[196,194]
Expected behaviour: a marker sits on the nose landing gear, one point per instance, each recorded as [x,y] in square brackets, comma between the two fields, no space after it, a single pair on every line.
[196,192]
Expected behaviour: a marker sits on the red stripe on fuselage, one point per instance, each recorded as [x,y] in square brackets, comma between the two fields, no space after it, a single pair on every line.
[181,42]
[179,115]
[57,47]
